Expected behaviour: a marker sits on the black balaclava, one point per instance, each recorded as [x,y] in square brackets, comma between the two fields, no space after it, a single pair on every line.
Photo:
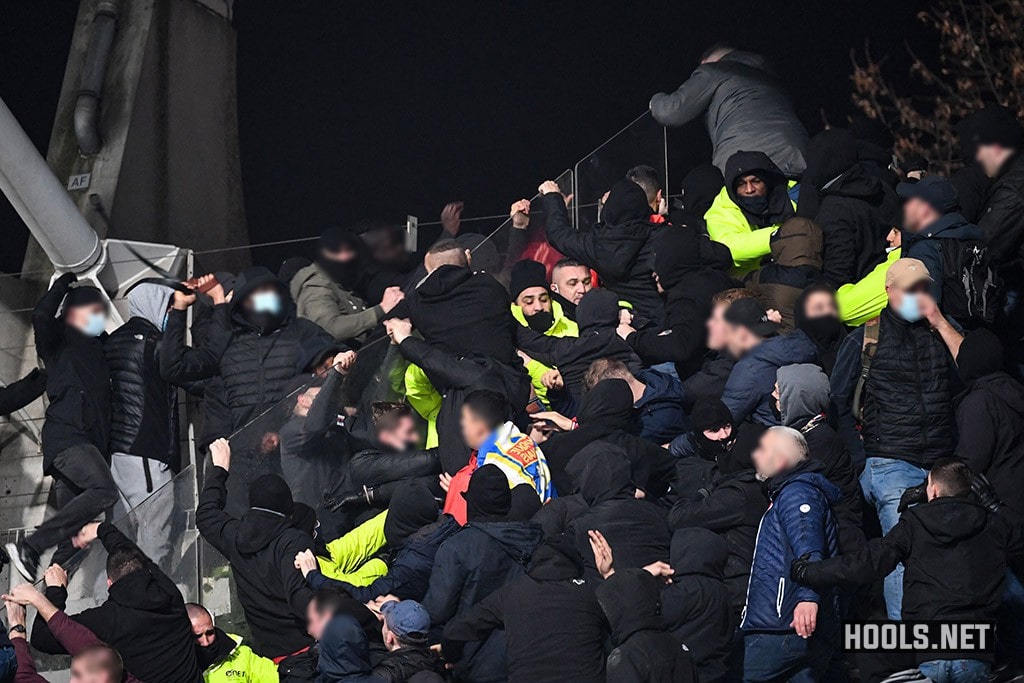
[215,652]
[304,519]
[488,497]
[823,330]
[608,404]
[711,415]
[700,187]
[980,354]
[829,154]
[270,493]
[333,240]
[412,508]
[525,503]
[676,252]
[626,203]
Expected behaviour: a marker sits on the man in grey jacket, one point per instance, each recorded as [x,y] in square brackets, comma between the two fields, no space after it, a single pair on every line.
[745,108]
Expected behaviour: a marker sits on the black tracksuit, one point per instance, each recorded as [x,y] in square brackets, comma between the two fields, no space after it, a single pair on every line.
[645,650]
[143,618]
[732,508]
[955,554]
[697,605]
[552,620]
[17,395]
[261,548]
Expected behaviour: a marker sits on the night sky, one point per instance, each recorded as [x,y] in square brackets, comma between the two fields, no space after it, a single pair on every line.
[354,110]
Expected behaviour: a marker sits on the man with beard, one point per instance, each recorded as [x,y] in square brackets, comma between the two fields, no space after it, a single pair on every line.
[324,291]
[533,307]
[223,657]
[752,205]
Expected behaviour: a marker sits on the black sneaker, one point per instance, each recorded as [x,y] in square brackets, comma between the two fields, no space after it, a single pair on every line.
[24,558]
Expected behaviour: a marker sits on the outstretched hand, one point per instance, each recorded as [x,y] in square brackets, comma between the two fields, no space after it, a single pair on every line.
[220,452]
[602,553]
[399,329]
[86,535]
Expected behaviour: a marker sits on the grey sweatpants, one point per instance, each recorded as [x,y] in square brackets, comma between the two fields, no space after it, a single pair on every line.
[149,507]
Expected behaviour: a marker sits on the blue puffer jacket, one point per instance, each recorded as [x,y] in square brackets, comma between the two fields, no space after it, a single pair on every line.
[798,522]
[748,391]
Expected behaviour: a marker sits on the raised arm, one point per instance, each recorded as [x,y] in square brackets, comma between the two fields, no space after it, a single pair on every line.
[180,364]
[690,100]
[211,520]
[561,235]
[49,331]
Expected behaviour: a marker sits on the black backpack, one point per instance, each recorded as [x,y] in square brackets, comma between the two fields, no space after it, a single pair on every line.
[971,288]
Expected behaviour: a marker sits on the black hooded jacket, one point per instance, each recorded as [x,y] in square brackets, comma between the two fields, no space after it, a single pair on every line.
[478,560]
[143,618]
[853,206]
[990,418]
[620,247]
[954,553]
[261,548]
[1002,218]
[645,650]
[691,269]
[598,318]
[733,508]
[697,605]
[634,528]
[462,313]
[554,624]
[77,380]
[605,418]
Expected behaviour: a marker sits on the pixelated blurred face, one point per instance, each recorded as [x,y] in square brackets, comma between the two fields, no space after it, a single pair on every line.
[718,329]
[474,430]
[819,305]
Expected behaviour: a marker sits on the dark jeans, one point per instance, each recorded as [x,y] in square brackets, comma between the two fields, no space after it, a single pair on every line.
[83,490]
[771,657]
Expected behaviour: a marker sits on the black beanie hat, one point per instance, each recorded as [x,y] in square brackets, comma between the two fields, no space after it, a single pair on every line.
[980,354]
[710,414]
[84,295]
[271,492]
[304,519]
[525,274]
[626,202]
[700,187]
[995,124]
[335,238]
[412,508]
[488,497]
[525,503]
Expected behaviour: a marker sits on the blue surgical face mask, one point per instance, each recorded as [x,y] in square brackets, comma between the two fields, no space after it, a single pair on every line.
[266,302]
[910,307]
[95,325]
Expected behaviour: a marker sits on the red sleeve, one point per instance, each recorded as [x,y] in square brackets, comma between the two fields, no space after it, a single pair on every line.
[26,666]
[454,503]
[72,636]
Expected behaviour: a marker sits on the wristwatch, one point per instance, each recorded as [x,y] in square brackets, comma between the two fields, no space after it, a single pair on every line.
[17,628]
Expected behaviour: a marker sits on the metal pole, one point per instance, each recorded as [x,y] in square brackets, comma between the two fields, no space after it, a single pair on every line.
[42,202]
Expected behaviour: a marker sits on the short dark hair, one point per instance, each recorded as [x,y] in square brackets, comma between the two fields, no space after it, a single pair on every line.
[952,477]
[123,562]
[330,599]
[490,406]
[387,414]
[447,246]
[604,368]
[647,178]
[731,296]
[567,263]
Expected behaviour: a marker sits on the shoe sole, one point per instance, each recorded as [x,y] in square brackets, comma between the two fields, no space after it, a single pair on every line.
[15,556]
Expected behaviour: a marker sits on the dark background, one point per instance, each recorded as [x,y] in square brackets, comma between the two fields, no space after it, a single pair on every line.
[355,110]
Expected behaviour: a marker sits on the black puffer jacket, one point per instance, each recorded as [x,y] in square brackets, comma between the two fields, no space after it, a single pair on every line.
[908,410]
[77,380]
[620,247]
[635,529]
[256,364]
[554,624]
[261,548]
[1002,219]
[144,618]
[644,648]
[144,417]
[691,269]
[732,508]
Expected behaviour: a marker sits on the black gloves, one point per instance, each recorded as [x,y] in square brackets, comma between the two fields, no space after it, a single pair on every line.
[913,496]
[798,569]
[64,281]
[353,502]
[984,492]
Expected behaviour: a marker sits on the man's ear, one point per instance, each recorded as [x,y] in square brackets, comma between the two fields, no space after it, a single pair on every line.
[469,257]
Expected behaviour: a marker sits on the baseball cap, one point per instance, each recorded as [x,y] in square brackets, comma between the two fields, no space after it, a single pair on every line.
[751,314]
[906,272]
[937,191]
[407,619]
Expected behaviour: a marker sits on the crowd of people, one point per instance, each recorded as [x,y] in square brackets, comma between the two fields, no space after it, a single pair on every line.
[686,443]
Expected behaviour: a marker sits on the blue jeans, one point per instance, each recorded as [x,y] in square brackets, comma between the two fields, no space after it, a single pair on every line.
[770,657]
[883,482]
[956,670]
